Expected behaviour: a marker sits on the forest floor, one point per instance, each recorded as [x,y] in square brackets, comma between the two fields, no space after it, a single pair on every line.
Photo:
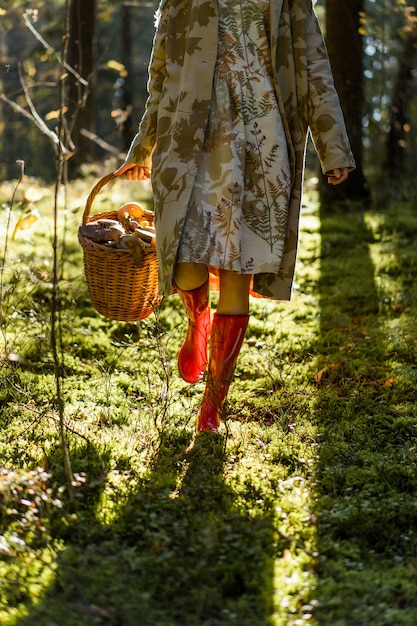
[304,509]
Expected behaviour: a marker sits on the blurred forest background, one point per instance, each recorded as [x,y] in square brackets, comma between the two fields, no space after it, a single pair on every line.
[73,80]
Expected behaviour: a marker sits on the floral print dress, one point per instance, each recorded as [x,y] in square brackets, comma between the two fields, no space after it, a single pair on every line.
[237,215]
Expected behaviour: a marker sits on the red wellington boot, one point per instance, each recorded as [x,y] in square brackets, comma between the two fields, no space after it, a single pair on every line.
[192,357]
[226,338]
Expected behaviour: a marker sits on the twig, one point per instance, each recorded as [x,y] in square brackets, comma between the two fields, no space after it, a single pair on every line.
[35,119]
[60,160]
[103,144]
[6,237]
[38,36]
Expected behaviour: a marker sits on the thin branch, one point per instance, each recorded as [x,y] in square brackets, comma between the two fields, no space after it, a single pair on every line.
[55,307]
[38,36]
[103,144]
[35,120]
[6,238]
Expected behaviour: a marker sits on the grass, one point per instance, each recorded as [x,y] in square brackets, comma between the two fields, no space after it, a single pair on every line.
[302,512]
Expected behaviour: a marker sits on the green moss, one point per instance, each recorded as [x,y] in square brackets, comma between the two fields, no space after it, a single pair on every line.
[302,511]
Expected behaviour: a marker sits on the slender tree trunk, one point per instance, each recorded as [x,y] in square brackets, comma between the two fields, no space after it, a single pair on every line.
[126,130]
[344,43]
[400,108]
[80,88]
[12,54]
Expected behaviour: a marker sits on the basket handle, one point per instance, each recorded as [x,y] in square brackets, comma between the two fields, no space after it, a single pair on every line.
[103,181]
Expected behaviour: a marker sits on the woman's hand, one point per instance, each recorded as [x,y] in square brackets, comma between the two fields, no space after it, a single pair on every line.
[133,171]
[337,176]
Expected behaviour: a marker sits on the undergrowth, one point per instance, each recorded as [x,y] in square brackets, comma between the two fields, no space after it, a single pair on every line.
[302,511]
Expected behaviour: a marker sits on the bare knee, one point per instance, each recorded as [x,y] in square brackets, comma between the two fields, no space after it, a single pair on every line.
[190,275]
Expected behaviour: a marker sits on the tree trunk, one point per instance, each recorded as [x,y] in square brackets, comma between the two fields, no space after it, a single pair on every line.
[400,114]
[344,43]
[125,88]
[80,97]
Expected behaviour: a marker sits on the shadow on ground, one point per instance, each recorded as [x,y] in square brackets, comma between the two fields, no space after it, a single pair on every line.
[179,551]
[366,484]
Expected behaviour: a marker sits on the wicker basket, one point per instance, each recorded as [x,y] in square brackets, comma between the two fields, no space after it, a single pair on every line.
[119,288]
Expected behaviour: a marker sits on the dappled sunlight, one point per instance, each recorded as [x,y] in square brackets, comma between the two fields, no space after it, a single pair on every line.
[301,509]
[278,520]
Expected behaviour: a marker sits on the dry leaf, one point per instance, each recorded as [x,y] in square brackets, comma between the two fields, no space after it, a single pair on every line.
[319,376]
[26,222]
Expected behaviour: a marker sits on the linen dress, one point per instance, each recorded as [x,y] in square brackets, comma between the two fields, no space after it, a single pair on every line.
[238,210]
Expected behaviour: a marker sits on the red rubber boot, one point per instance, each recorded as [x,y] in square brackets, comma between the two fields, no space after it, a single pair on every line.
[226,338]
[192,357]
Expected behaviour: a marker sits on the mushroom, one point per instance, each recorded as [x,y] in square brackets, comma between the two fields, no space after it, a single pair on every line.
[102,230]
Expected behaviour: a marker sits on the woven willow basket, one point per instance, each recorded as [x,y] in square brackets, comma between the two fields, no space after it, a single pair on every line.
[119,288]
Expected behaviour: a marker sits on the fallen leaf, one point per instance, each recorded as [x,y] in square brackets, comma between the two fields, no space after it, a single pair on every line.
[319,376]
[26,222]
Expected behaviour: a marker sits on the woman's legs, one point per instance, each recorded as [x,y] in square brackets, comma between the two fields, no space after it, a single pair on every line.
[227,334]
[191,282]
[234,293]
[188,276]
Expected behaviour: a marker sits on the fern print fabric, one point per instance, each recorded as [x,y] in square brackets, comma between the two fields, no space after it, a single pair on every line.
[237,216]
[234,89]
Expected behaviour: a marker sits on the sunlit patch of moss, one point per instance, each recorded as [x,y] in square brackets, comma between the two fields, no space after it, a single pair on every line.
[25,577]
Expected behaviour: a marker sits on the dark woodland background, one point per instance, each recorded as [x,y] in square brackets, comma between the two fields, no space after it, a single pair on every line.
[78,68]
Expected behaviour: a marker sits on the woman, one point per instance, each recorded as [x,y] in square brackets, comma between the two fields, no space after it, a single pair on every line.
[234,87]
